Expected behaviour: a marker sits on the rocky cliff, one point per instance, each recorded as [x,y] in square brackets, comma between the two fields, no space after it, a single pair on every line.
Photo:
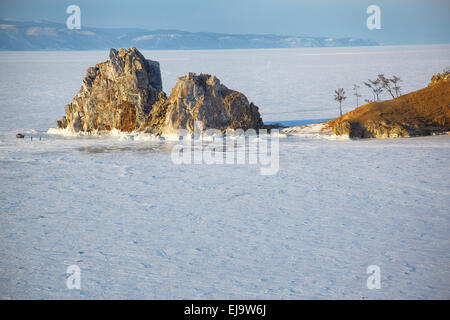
[125,93]
[116,94]
[419,113]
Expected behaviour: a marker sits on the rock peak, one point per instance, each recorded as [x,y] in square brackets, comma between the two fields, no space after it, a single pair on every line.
[115,94]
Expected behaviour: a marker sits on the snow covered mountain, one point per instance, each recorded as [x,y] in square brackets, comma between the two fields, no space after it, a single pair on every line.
[45,35]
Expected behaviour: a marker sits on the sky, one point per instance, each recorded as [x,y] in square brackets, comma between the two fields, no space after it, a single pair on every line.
[402,21]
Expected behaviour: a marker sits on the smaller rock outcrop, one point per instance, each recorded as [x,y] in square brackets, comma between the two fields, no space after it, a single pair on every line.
[203,99]
[440,77]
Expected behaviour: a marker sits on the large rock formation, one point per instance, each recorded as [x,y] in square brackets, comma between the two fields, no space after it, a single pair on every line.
[116,94]
[125,93]
[422,112]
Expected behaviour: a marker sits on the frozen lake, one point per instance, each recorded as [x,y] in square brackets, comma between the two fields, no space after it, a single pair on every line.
[140,226]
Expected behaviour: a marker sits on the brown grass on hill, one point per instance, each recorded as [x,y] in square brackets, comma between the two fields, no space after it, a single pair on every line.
[422,112]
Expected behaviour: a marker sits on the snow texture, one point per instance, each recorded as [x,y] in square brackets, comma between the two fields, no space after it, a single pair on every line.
[139,226]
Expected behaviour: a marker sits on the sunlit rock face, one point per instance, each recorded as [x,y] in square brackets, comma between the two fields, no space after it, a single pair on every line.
[444,76]
[116,94]
[125,93]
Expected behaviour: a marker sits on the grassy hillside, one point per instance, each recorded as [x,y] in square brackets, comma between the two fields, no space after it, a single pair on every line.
[422,112]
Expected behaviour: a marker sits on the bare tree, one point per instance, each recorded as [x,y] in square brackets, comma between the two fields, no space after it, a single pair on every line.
[376,87]
[372,89]
[396,87]
[356,94]
[339,96]
[386,84]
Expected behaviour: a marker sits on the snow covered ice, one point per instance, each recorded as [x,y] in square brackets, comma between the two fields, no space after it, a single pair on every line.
[139,226]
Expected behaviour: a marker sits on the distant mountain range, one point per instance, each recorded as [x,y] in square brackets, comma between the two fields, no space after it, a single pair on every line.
[45,35]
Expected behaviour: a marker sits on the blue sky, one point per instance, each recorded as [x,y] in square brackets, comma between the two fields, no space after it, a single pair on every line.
[402,21]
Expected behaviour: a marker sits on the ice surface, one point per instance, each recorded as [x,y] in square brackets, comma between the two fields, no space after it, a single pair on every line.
[140,226]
